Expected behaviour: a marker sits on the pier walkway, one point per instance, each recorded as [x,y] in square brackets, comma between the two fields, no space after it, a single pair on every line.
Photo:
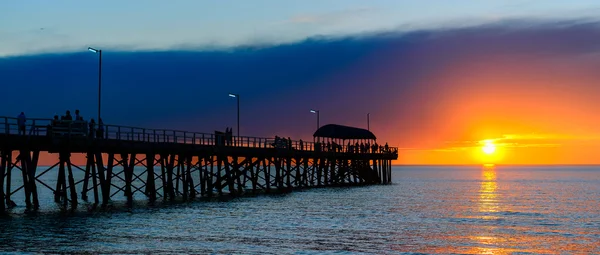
[172,164]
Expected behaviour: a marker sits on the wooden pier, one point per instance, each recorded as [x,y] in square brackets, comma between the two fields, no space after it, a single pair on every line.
[172,164]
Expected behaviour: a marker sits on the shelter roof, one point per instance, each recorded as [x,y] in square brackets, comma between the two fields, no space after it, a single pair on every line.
[343,132]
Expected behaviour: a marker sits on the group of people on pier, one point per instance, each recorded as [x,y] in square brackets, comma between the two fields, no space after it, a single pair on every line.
[332,146]
[66,124]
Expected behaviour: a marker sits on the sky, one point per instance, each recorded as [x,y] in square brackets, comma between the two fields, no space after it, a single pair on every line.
[440,79]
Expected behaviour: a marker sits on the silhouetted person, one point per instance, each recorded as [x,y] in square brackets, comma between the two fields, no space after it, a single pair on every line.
[289,143]
[77,116]
[229,136]
[21,119]
[92,127]
[68,116]
[100,130]
[386,147]
[53,123]
[301,145]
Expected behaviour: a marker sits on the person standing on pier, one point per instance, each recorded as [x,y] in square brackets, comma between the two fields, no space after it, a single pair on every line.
[92,128]
[77,116]
[100,130]
[21,119]
[68,116]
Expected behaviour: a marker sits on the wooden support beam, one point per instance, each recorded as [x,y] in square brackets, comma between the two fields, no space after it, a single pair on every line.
[278,174]
[376,168]
[219,173]
[181,159]
[177,174]
[61,187]
[288,172]
[4,155]
[298,172]
[383,171]
[95,182]
[9,167]
[254,175]
[72,190]
[150,185]
[170,167]
[267,173]
[88,165]
[209,179]
[104,185]
[312,172]
[238,172]
[320,166]
[305,173]
[326,176]
[22,158]
[188,177]
[229,177]
[246,169]
[202,167]
[163,174]
[128,161]
[202,161]
[109,175]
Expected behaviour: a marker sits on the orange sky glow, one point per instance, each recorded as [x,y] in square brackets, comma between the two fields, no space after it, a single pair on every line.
[534,111]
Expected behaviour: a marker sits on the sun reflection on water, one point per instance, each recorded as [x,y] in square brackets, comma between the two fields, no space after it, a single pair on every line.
[488,197]
[488,206]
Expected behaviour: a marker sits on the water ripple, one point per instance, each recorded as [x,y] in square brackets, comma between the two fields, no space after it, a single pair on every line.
[465,210]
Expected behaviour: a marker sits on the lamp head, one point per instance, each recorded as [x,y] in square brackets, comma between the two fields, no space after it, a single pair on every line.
[314,111]
[232,95]
[93,50]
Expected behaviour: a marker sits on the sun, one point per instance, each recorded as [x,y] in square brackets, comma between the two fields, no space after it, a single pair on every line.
[488,148]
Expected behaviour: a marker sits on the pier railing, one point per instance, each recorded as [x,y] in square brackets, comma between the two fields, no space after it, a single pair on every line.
[68,128]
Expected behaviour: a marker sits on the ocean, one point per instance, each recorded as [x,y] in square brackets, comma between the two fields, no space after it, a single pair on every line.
[431,210]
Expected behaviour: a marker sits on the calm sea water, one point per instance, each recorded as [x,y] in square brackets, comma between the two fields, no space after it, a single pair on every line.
[468,210]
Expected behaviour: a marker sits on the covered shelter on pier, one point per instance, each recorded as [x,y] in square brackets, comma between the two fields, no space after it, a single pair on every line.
[344,138]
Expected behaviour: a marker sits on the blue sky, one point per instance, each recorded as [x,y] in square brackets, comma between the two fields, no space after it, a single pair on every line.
[40,26]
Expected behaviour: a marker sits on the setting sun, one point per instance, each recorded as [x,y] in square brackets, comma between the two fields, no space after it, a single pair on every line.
[488,148]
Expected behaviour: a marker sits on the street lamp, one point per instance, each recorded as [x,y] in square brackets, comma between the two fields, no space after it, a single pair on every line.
[317,112]
[238,111]
[99,77]
[368,124]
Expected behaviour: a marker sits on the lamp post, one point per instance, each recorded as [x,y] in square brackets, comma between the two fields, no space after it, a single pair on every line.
[238,111]
[317,112]
[368,124]
[99,78]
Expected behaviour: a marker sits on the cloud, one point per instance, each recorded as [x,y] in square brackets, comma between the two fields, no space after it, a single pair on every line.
[343,16]
[515,141]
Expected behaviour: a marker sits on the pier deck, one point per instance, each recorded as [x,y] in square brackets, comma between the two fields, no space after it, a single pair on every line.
[169,163]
